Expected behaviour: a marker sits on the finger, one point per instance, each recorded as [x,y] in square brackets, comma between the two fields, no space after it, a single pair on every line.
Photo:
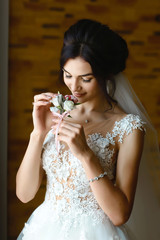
[63,137]
[40,103]
[65,122]
[50,94]
[55,119]
[44,96]
[62,131]
[68,129]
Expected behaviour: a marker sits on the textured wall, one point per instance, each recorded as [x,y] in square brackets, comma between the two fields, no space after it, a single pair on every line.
[36,33]
[4,17]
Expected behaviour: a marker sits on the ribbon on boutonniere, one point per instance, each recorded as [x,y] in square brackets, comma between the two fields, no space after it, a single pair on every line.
[62,105]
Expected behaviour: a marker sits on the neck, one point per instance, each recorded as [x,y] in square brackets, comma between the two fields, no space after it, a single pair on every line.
[91,111]
[99,105]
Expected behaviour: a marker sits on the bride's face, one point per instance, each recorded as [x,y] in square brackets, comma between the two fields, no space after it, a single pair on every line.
[79,78]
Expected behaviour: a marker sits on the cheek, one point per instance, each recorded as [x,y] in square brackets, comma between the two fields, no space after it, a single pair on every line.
[94,87]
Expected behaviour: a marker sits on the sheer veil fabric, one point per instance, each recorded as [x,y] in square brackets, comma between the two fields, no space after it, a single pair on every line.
[145,217]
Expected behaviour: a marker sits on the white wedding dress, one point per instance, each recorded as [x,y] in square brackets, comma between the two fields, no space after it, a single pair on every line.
[70,210]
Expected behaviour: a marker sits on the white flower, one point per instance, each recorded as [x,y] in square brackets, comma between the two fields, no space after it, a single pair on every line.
[58,100]
[63,103]
[53,109]
[68,105]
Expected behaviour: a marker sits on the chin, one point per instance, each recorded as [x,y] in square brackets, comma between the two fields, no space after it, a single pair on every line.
[81,100]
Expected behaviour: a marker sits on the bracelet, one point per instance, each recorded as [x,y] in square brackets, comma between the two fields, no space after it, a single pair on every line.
[97,178]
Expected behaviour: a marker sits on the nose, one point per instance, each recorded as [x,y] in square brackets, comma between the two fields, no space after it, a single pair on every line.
[75,85]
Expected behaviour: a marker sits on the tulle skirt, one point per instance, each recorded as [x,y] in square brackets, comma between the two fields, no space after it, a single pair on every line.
[45,224]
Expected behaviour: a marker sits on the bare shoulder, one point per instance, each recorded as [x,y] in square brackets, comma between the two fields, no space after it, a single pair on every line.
[118,110]
[116,114]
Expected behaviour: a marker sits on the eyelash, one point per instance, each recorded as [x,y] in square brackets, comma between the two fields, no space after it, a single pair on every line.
[87,80]
[67,76]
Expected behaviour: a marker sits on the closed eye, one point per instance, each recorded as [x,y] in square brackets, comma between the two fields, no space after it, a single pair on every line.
[68,76]
[86,80]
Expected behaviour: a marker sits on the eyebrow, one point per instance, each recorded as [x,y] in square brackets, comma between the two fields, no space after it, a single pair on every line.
[83,75]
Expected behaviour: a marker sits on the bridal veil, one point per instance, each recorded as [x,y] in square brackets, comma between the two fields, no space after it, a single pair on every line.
[145,217]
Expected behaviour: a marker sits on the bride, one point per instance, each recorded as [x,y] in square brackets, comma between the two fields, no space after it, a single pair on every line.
[92,182]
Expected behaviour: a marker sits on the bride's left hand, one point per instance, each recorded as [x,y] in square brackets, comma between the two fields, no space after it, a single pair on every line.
[73,135]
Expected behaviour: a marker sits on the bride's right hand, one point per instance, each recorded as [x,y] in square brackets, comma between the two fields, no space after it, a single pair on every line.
[42,116]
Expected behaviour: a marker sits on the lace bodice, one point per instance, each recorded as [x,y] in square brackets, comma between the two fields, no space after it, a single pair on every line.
[68,189]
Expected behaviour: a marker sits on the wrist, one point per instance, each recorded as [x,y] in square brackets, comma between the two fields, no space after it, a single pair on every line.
[91,164]
[38,135]
[87,156]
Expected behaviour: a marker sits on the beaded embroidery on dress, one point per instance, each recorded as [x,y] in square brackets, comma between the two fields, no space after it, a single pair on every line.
[70,210]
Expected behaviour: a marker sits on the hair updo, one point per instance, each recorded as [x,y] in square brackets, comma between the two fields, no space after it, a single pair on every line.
[98,45]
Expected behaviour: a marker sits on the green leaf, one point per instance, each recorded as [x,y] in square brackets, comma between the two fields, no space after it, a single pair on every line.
[59,107]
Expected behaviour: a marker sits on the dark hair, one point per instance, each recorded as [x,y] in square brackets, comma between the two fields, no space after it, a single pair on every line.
[98,45]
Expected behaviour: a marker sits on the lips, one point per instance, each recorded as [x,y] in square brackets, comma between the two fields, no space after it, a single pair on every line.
[78,94]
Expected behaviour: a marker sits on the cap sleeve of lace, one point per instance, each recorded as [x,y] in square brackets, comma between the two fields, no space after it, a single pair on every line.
[126,126]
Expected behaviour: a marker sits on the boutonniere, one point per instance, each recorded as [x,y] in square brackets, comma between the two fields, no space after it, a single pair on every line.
[61,107]
[63,104]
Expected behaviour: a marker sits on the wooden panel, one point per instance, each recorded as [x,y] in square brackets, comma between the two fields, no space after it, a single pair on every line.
[36,34]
